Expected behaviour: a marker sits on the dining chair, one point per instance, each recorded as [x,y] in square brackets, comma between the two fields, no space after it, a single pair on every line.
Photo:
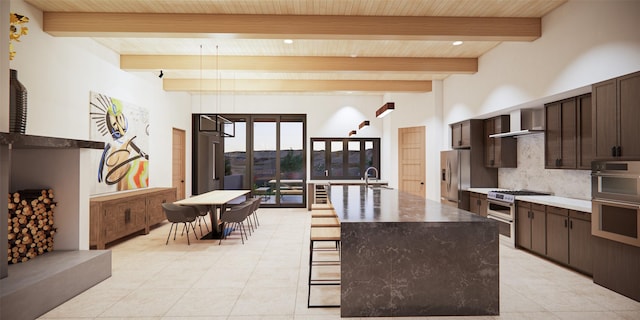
[235,217]
[177,214]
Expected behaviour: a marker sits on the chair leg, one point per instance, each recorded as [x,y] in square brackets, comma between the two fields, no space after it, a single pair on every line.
[224,224]
[175,231]
[169,235]
[200,225]
[241,227]
[193,227]
[188,242]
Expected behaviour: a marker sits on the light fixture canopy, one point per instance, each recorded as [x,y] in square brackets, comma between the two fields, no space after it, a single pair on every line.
[363,124]
[352,132]
[385,109]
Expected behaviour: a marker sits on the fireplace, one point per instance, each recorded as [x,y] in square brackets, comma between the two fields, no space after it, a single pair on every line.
[48,280]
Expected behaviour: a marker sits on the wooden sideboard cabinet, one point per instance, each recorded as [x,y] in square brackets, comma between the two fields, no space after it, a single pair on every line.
[116,216]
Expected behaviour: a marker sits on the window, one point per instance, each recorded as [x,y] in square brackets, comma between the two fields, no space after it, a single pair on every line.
[343,158]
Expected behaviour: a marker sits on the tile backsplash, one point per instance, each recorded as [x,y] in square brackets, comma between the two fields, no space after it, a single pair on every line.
[531,174]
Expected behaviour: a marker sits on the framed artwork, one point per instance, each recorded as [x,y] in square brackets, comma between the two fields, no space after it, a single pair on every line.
[124,128]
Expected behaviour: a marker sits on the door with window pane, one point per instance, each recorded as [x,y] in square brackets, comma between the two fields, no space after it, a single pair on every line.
[265,158]
[292,168]
[343,158]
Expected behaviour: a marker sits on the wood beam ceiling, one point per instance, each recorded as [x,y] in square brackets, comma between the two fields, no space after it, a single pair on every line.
[90,24]
[299,64]
[256,86]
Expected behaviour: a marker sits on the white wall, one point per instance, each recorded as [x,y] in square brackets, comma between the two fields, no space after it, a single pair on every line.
[583,42]
[60,72]
[328,116]
[414,110]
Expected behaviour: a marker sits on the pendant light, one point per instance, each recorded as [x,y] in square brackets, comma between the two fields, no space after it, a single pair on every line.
[385,109]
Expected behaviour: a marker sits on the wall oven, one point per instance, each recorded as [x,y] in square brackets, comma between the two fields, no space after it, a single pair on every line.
[615,192]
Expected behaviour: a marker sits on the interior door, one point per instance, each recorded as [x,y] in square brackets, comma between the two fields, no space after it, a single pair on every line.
[177,162]
[411,160]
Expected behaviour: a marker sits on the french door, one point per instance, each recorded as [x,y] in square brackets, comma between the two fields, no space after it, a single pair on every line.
[268,156]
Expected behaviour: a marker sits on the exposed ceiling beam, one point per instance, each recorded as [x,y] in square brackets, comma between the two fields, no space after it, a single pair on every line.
[208,85]
[298,64]
[88,24]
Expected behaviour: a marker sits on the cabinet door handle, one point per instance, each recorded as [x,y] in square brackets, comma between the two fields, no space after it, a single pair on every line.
[613,151]
[619,151]
[532,215]
[127,215]
[565,223]
[571,224]
[459,142]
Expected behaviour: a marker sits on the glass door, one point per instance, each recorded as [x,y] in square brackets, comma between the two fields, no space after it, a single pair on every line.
[292,168]
[265,159]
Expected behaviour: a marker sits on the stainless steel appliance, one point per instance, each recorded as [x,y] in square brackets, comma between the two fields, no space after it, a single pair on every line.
[501,206]
[615,192]
[455,176]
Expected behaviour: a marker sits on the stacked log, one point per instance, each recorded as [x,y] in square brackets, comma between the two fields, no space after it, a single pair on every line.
[30,224]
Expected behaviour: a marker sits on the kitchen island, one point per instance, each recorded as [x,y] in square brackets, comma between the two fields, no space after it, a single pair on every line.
[403,255]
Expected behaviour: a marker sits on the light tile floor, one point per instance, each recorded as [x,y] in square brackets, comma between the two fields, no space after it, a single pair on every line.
[266,278]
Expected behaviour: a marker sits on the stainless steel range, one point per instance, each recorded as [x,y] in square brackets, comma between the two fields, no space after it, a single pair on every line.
[502,208]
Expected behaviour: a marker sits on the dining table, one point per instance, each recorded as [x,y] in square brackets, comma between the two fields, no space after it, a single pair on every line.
[217,200]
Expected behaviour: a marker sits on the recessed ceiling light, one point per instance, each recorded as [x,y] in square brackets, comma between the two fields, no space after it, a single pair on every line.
[457,43]
[288,41]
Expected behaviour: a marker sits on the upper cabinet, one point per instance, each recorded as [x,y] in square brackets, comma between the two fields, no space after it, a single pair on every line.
[461,135]
[615,118]
[499,152]
[568,133]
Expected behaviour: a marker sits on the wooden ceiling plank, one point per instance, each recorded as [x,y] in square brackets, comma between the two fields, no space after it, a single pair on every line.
[298,64]
[291,26]
[228,86]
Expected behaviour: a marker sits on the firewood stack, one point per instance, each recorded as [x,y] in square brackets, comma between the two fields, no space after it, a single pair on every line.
[30,225]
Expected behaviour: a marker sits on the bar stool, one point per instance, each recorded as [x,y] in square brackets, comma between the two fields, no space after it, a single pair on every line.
[321,206]
[323,214]
[325,222]
[319,234]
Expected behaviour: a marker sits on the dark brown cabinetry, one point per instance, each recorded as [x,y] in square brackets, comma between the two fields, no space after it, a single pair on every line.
[615,118]
[580,241]
[617,267]
[478,204]
[499,152]
[568,133]
[569,239]
[531,226]
[116,216]
[461,133]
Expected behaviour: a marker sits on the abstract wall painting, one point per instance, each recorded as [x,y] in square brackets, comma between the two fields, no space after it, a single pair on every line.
[124,128]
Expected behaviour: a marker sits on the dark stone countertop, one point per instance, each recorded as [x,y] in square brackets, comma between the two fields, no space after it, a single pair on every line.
[25,141]
[355,203]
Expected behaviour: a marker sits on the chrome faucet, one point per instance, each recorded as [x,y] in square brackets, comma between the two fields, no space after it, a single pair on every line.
[366,175]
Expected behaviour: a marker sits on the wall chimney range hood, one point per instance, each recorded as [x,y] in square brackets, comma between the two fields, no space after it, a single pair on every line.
[524,122]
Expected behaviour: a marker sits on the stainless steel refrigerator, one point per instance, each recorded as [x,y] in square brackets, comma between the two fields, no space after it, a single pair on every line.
[455,176]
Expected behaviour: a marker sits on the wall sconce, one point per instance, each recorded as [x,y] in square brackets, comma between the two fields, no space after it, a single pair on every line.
[385,109]
[363,124]
[352,132]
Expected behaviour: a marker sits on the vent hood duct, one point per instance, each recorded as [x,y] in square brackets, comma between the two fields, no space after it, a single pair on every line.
[523,122]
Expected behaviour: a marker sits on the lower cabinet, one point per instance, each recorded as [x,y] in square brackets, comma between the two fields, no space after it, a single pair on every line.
[478,203]
[116,216]
[567,234]
[531,227]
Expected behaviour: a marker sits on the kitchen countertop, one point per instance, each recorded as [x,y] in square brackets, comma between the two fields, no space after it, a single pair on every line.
[358,203]
[562,202]
[354,181]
